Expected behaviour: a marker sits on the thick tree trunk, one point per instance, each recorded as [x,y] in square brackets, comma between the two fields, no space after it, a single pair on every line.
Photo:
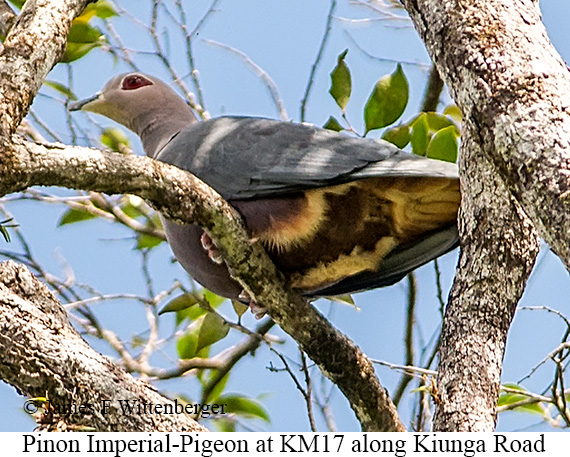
[499,246]
[510,82]
[32,47]
[513,89]
[43,356]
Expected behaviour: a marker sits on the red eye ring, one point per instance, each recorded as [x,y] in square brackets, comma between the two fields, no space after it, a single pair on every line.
[131,82]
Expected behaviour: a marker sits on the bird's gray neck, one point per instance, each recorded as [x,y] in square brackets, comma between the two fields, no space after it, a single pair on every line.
[157,130]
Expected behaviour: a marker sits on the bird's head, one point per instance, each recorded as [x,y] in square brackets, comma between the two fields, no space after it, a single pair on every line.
[142,103]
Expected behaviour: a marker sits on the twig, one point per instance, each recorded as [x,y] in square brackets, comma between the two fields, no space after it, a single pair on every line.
[269,83]
[305,393]
[87,301]
[317,60]
[383,59]
[433,90]
[309,391]
[43,125]
[122,49]
[384,12]
[188,39]
[324,405]
[408,339]
[250,344]
[416,371]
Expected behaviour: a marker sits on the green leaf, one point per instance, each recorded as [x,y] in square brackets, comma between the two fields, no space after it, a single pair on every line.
[387,101]
[73,215]
[5,233]
[184,399]
[82,38]
[224,424]
[239,308]
[74,51]
[453,112]
[146,241]
[398,136]
[18,3]
[244,406]
[194,313]
[437,121]
[4,226]
[61,89]
[420,135]
[341,82]
[115,139]
[82,32]
[443,145]
[213,299]
[186,345]
[131,206]
[333,124]
[508,398]
[179,303]
[138,342]
[102,9]
[219,388]
[213,329]
[344,300]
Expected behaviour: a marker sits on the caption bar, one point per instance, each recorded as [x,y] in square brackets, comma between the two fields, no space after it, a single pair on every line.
[225,444]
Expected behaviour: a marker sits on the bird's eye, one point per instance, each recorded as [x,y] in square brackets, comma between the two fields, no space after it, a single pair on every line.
[132,82]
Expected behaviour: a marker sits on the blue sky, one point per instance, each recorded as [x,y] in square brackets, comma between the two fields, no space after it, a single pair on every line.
[283,39]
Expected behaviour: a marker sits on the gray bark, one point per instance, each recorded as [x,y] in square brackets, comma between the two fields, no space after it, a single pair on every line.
[32,47]
[43,356]
[499,247]
[513,89]
[508,79]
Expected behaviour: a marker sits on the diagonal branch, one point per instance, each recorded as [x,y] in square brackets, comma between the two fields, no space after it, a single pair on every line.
[498,252]
[43,356]
[513,89]
[33,46]
[183,197]
[509,80]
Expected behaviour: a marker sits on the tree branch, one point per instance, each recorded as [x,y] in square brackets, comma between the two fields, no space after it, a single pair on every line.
[7,18]
[511,86]
[507,78]
[498,252]
[43,356]
[33,46]
[183,197]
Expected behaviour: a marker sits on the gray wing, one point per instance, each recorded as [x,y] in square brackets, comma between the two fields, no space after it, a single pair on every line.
[244,157]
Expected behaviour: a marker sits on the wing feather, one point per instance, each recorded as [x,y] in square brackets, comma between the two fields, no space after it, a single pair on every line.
[244,157]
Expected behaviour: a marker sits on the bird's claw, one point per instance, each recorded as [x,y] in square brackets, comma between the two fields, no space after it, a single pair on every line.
[211,248]
[257,310]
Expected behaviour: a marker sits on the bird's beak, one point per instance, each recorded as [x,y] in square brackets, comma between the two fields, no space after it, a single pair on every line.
[84,104]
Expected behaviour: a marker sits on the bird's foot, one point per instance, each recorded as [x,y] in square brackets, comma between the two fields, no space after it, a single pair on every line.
[211,248]
[257,310]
